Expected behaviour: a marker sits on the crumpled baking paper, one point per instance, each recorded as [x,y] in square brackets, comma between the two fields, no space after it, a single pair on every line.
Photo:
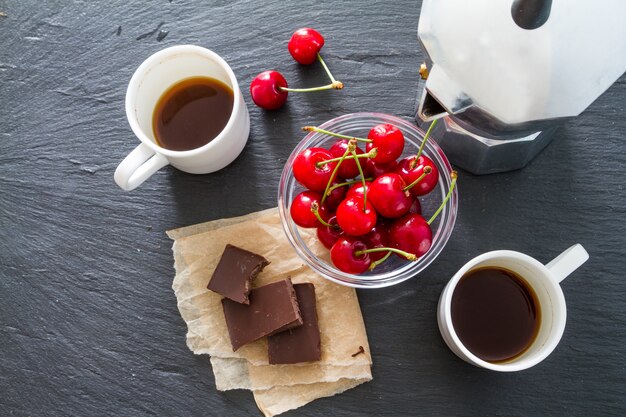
[277,388]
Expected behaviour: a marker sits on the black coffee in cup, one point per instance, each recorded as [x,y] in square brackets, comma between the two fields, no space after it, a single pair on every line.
[192,113]
[495,314]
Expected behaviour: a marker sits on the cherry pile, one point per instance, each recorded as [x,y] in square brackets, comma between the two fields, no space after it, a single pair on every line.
[365,203]
[269,89]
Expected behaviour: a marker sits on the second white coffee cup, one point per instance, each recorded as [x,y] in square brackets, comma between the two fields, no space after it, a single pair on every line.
[544,280]
[153,77]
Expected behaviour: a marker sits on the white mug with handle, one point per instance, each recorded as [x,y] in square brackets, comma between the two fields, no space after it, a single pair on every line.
[544,280]
[153,77]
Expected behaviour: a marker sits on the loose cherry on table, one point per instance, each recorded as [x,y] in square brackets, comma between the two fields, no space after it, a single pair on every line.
[267,91]
[309,170]
[305,44]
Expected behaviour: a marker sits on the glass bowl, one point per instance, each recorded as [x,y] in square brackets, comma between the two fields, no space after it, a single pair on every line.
[394,270]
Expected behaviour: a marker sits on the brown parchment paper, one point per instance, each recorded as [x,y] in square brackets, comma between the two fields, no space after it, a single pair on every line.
[231,373]
[272,402]
[277,388]
[341,325]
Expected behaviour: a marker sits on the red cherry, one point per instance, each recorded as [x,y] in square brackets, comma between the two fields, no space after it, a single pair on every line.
[356,190]
[300,209]
[329,235]
[348,168]
[265,90]
[416,207]
[374,170]
[343,256]
[304,45]
[411,233]
[377,238]
[388,196]
[408,174]
[353,219]
[335,197]
[388,140]
[308,173]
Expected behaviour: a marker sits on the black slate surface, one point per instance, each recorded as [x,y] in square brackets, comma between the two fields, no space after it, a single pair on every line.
[88,320]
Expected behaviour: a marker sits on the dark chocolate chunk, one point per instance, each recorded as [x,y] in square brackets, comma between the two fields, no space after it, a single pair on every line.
[301,344]
[273,308]
[234,273]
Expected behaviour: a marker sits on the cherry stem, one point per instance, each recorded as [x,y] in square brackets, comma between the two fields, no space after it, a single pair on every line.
[419,151]
[329,133]
[445,200]
[358,165]
[427,170]
[330,75]
[315,209]
[371,154]
[409,256]
[343,184]
[380,261]
[337,85]
[350,148]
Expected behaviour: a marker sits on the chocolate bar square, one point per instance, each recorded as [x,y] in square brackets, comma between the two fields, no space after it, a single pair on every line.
[273,308]
[301,344]
[234,273]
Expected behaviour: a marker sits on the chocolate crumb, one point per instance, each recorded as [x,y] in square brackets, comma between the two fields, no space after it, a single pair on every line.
[361,350]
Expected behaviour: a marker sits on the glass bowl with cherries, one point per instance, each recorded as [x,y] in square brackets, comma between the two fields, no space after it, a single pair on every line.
[367,200]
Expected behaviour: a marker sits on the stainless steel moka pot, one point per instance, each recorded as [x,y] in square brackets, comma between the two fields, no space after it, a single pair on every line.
[503,75]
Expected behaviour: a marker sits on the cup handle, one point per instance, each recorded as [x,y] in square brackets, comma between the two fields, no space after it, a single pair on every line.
[567,262]
[138,166]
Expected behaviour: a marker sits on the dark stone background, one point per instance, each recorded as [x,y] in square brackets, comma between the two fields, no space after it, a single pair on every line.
[88,320]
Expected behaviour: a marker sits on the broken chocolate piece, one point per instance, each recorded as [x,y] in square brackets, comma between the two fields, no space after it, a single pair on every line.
[234,273]
[301,344]
[273,308]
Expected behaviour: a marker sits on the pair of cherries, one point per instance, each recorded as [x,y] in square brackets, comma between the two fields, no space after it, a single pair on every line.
[365,211]
[269,89]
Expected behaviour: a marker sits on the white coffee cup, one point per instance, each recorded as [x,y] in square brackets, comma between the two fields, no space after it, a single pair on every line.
[153,77]
[544,280]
